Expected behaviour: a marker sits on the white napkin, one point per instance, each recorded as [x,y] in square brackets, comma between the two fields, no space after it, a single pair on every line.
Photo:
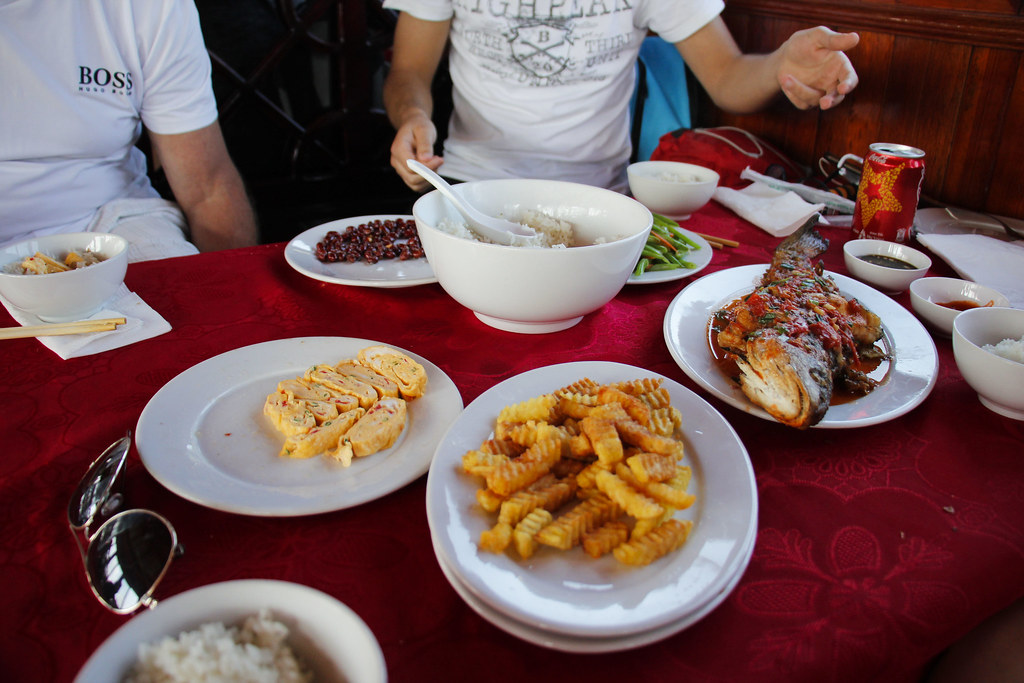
[776,212]
[141,322]
[983,259]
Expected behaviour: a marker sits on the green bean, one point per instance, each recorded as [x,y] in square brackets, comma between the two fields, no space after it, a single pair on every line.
[666,248]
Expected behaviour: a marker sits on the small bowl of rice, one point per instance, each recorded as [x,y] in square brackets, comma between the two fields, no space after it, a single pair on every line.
[988,345]
[248,631]
[672,188]
[588,241]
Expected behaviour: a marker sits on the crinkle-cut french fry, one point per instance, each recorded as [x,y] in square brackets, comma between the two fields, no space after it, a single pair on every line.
[636,434]
[635,503]
[567,529]
[502,446]
[575,408]
[481,462]
[587,477]
[655,544]
[495,540]
[529,433]
[634,407]
[671,493]
[650,467]
[604,539]
[489,500]
[583,387]
[681,479]
[639,386]
[605,440]
[568,468]
[539,409]
[571,425]
[609,411]
[580,447]
[525,531]
[665,421]
[644,526]
[657,399]
[530,466]
[521,503]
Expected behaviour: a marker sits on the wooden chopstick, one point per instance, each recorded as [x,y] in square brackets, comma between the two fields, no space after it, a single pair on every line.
[719,241]
[52,329]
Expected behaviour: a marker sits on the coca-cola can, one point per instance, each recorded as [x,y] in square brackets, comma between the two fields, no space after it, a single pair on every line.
[890,187]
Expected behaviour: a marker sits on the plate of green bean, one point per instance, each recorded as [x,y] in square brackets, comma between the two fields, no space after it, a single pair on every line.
[671,253]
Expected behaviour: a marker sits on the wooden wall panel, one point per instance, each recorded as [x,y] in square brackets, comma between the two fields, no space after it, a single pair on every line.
[943,75]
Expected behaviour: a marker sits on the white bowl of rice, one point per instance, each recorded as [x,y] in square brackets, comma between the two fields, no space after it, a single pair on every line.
[247,631]
[589,241]
[672,188]
[988,345]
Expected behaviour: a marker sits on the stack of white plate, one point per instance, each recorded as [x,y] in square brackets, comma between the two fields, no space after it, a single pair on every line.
[567,600]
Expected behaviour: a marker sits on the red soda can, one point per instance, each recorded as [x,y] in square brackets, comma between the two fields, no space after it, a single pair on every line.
[890,187]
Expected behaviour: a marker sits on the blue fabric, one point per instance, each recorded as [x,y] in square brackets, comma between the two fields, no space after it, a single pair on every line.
[667,106]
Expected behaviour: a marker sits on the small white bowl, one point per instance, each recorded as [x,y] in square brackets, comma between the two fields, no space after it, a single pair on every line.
[530,289]
[671,188]
[888,279]
[999,381]
[928,295]
[71,295]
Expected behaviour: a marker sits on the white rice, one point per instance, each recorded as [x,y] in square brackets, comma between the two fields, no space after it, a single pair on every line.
[552,233]
[676,177]
[1010,349]
[255,653]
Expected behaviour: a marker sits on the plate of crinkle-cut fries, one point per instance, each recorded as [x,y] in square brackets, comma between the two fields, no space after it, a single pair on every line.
[592,506]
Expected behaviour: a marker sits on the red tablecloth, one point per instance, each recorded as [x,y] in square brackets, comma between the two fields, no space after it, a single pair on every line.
[877,547]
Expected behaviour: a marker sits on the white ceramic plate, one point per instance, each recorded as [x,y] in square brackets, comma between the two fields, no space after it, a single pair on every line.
[300,253]
[325,634]
[577,644]
[932,221]
[700,258]
[568,593]
[908,381]
[204,436]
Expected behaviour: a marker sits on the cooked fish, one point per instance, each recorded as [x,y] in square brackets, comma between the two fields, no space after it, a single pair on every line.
[796,338]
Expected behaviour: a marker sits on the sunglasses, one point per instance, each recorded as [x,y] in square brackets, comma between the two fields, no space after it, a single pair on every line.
[126,557]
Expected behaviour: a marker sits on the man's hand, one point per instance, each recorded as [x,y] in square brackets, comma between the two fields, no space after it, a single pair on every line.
[814,69]
[415,140]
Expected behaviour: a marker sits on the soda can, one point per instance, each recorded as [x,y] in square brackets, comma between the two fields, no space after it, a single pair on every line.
[890,187]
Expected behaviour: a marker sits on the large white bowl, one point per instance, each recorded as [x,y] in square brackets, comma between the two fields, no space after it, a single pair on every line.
[527,289]
[888,280]
[71,295]
[324,633]
[929,293]
[671,188]
[998,381]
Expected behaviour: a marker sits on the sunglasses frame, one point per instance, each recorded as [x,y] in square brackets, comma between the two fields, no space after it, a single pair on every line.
[110,466]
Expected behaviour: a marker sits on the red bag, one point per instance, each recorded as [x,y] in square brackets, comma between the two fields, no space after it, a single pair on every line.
[728,151]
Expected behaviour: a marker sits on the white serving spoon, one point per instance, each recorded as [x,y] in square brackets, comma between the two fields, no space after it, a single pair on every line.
[497,230]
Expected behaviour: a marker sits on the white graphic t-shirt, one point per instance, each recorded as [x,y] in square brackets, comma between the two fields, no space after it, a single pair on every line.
[542,87]
[77,82]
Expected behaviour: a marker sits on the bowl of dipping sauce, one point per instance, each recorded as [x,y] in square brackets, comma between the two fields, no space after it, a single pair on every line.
[889,266]
[938,300]
[988,345]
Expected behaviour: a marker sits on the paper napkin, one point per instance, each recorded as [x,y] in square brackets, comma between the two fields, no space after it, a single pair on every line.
[141,322]
[777,212]
[986,260]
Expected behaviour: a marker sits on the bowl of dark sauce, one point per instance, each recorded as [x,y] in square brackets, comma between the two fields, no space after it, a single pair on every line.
[889,266]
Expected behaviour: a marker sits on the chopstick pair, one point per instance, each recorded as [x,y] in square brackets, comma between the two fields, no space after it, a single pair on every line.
[51,329]
[718,242]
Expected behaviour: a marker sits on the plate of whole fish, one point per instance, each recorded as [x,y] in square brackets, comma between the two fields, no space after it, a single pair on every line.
[793,343]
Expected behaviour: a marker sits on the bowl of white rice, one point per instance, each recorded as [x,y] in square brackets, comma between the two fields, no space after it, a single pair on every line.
[588,240]
[672,188]
[249,631]
[988,345]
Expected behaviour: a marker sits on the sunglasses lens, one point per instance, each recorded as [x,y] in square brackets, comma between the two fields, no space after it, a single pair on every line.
[128,557]
[94,489]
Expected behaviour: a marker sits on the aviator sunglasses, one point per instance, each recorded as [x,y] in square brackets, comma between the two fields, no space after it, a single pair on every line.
[129,553]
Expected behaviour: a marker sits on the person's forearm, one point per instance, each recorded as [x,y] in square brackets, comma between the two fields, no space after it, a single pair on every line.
[223,220]
[748,84]
[405,97]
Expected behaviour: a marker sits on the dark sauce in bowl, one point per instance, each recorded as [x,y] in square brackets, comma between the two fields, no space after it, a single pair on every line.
[887,261]
[963,304]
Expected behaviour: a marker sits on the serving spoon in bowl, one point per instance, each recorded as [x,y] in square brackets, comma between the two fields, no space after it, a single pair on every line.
[497,230]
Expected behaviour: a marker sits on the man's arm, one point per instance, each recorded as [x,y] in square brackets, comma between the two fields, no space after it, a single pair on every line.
[810,68]
[208,188]
[418,48]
